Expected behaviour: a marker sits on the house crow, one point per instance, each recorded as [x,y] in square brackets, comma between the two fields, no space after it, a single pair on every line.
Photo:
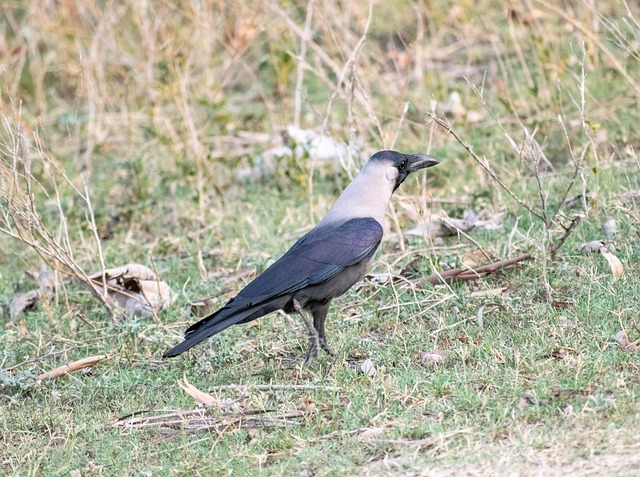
[324,263]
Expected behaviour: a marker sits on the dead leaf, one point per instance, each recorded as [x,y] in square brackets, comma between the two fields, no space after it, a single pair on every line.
[476,257]
[578,201]
[567,323]
[371,432]
[74,366]
[454,105]
[368,368]
[623,342]
[480,317]
[491,292]
[22,302]
[516,356]
[523,403]
[560,304]
[134,288]
[560,393]
[474,116]
[591,247]
[617,270]
[203,307]
[23,328]
[200,396]
[444,227]
[431,358]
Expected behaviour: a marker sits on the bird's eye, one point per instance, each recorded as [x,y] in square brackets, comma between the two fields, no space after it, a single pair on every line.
[403,164]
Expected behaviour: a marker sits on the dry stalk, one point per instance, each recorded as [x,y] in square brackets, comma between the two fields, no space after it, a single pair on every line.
[22,194]
[484,163]
[304,41]
[534,151]
[608,54]
[74,366]
[466,274]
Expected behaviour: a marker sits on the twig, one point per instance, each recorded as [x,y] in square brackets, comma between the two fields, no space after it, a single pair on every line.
[74,366]
[202,420]
[449,327]
[553,250]
[465,274]
[485,165]
[267,387]
[90,216]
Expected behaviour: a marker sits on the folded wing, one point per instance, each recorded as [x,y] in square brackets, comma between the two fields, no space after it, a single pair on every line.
[314,259]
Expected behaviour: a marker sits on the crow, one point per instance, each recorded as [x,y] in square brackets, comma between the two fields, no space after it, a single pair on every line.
[324,263]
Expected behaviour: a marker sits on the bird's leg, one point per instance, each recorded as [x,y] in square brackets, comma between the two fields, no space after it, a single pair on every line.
[319,316]
[325,346]
[313,351]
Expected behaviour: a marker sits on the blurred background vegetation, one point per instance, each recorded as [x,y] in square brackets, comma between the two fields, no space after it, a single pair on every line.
[156,106]
[157,103]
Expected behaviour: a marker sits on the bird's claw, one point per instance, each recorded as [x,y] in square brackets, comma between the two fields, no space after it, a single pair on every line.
[326,347]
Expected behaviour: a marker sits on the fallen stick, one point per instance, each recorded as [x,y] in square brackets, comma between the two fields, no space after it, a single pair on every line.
[76,365]
[466,274]
[268,387]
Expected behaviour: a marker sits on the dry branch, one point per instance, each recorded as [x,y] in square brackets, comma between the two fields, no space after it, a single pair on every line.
[466,274]
[269,387]
[23,194]
[485,165]
[197,394]
[200,420]
[74,366]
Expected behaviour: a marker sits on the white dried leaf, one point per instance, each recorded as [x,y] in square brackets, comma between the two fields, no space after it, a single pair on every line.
[371,432]
[22,302]
[134,288]
[617,270]
[434,357]
[296,143]
[198,395]
[480,317]
[591,247]
[474,116]
[623,341]
[454,105]
[368,368]
[444,227]
[491,292]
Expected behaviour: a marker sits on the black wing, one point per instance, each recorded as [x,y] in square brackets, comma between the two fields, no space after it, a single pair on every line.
[317,257]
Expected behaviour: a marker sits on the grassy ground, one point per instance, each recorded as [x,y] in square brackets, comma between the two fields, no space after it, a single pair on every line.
[149,105]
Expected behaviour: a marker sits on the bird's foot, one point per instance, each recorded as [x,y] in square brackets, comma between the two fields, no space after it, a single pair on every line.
[313,351]
[326,347]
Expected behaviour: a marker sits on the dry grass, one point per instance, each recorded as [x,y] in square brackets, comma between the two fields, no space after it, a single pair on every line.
[124,126]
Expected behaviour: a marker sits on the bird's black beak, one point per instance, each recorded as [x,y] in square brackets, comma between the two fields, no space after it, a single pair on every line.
[420,161]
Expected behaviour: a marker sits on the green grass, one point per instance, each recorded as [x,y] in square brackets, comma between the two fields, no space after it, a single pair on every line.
[531,374]
[541,384]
